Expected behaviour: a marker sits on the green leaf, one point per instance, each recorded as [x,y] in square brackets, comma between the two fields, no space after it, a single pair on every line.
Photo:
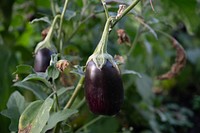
[141,21]
[35,116]
[131,72]
[43,19]
[62,90]
[15,106]
[193,55]
[144,87]
[24,69]
[186,11]
[38,77]
[70,14]
[79,70]
[53,72]
[36,88]
[58,117]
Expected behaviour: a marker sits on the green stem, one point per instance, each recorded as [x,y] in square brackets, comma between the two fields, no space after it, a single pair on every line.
[77,28]
[134,42]
[50,33]
[102,46]
[75,93]
[130,7]
[80,103]
[53,8]
[61,23]
[89,123]
[56,95]
[105,8]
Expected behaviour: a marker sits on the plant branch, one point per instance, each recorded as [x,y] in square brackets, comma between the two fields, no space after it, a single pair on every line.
[61,23]
[80,103]
[105,8]
[134,42]
[89,123]
[130,7]
[53,8]
[77,28]
[75,93]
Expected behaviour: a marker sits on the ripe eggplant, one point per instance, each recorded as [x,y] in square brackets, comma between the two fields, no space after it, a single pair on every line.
[42,60]
[103,88]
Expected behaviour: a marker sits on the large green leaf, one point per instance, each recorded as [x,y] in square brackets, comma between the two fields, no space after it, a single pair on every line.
[15,106]
[36,88]
[184,10]
[24,69]
[144,87]
[58,117]
[38,77]
[35,116]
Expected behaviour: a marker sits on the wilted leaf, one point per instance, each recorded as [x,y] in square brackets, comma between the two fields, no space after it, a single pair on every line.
[58,117]
[15,106]
[35,116]
[36,88]
[179,61]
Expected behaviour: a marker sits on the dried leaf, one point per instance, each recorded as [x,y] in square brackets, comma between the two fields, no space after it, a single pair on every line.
[123,37]
[179,61]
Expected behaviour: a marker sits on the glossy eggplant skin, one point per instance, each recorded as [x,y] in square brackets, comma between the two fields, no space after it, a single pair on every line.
[42,60]
[103,89]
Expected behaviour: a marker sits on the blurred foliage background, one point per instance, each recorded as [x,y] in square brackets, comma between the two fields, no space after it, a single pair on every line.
[151,105]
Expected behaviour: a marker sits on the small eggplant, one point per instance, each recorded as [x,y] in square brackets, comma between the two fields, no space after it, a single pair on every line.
[42,60]
[103,88]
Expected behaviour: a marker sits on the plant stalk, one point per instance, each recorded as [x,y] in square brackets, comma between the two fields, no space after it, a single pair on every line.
[102,46]
[89,123]
[134,42]
[61,24]
[105,8]
[75,93]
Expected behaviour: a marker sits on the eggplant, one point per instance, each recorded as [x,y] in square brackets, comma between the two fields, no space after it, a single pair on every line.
[103,88]
[42,60]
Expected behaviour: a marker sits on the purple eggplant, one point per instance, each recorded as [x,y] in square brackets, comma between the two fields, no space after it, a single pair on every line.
[103,88]
[42,60]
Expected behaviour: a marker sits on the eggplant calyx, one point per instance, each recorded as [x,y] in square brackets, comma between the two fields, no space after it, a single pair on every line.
[101,59]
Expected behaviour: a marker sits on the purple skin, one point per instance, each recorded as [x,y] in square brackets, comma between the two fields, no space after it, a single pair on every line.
[42,60]
[103,89]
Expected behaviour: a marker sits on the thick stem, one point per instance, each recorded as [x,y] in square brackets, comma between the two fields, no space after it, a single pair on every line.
[61,23]
[50,33]
[75,93]
[102,46]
